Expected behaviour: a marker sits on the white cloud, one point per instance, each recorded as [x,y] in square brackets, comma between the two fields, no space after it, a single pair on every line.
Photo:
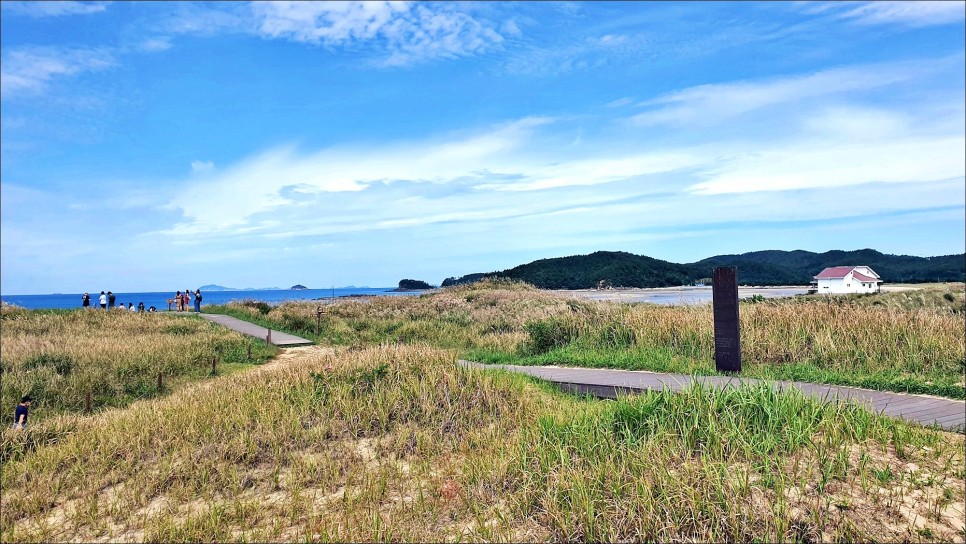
[407,32]
[620,102]
[915,14]
[156,44]
[29,70]
[53,8]
[227,198]
[854,122]
[715,103]
[838,163]
[200,167]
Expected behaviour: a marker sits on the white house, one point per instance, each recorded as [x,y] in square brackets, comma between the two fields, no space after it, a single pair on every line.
[847,279]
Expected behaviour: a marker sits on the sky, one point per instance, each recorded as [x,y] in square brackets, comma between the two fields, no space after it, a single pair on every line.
[146,146]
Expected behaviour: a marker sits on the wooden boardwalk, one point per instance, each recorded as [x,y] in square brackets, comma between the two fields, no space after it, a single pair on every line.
[278,338]
[606,383]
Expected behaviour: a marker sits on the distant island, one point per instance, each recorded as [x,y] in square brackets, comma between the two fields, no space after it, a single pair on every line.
[413,285]
[773,267]
[298,287]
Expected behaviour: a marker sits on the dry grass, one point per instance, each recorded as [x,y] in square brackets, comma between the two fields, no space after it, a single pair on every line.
[909,342]
[398,443]
[59,357]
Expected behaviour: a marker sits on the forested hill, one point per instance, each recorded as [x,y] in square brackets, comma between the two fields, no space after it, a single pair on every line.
[620,269]
[798,267]
[603,268]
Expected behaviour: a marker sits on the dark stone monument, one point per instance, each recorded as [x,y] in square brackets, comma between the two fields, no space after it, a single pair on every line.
[724,296]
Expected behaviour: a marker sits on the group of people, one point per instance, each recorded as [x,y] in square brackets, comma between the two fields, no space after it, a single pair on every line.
[108,300]
[182,300]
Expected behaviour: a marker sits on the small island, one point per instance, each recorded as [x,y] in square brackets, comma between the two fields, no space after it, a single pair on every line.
[298,287]
[413,285]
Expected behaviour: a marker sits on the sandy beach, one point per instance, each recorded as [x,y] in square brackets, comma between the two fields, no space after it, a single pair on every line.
[696,295]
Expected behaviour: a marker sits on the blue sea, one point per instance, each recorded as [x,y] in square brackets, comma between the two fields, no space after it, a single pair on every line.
[159,300]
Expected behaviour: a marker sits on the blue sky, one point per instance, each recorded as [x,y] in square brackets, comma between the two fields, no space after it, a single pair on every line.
[152,145]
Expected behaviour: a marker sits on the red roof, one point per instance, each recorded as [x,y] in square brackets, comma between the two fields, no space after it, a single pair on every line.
[862,277]
[834,272]
[842,271]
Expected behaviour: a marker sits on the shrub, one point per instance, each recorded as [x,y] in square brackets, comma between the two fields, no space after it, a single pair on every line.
[548,334]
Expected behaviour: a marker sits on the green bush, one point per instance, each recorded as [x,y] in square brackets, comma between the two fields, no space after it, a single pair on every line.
[548,334]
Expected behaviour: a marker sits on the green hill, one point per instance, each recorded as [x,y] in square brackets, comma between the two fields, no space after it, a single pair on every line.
[798,267]
[772,267]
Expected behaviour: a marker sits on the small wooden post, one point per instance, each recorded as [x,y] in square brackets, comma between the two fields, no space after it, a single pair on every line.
[249,351]
[160,382]
[87,402]
[268,337]
[214,361]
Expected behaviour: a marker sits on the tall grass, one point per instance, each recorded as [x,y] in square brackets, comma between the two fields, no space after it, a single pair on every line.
[399,443]
[61,357]
[831,340]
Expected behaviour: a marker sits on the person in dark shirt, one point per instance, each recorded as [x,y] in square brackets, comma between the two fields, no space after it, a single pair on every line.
[20,415]
[86,301]
[110,300]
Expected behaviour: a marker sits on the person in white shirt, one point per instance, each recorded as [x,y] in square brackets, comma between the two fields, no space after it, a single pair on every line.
[103,301]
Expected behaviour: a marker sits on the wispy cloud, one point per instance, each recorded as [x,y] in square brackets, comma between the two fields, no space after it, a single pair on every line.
[706,105]
[913,14]
[405,32]
[227,199]
[52,8]
[30,70]
[839,163]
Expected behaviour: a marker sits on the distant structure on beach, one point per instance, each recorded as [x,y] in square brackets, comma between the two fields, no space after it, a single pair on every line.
[836,280]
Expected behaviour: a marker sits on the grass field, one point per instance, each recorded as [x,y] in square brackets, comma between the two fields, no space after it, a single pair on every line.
[398,443]
[379,435]
[60,357]
[906,342]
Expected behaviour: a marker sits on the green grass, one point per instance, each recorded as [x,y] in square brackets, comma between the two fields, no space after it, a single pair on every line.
[908,342]
[60,357]
[399,443]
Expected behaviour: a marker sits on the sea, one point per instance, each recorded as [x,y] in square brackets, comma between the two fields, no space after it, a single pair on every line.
[159,300]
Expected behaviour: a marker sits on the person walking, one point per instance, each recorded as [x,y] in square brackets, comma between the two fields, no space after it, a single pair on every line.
[110,300]
[20,414]
[103,301]
[86,301]
[177,300]
[198,301]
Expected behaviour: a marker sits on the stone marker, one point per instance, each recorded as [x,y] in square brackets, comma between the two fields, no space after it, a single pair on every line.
[724,296]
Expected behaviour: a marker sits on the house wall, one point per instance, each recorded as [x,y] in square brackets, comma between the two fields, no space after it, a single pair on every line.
[848,284]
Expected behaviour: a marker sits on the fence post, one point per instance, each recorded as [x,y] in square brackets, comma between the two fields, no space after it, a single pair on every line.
[160,383]
[268,337]
[214,361]
[87,402]
[249,352]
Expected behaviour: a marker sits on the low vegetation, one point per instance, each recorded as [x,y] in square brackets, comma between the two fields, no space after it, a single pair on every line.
[385,437]
[398,443]
[60,357]
[906,342]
